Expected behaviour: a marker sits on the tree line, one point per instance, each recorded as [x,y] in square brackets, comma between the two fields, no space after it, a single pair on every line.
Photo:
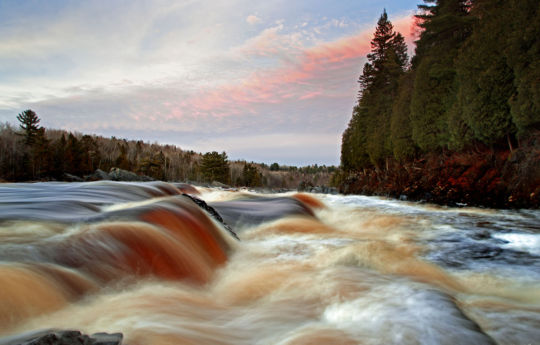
[473,82]
[33,153]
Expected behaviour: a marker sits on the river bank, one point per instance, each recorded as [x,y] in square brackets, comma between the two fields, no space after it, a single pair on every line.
[486,178]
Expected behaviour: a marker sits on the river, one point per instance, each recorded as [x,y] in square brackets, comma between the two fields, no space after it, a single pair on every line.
[147,261]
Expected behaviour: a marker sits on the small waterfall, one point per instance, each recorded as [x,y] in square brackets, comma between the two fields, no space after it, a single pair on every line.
[164,268]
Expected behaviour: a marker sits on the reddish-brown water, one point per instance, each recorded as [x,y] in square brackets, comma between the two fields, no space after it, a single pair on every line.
[144,260]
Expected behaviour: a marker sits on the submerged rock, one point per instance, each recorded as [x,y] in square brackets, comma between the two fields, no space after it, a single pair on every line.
[57,337]
[256,210]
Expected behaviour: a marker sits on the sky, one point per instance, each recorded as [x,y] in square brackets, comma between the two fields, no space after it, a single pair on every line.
[265,81]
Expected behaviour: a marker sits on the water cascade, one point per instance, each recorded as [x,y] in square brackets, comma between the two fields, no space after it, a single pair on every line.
[229,267]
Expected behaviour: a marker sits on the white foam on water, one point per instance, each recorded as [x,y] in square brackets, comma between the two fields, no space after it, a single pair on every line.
[296,248]
[404,313]
[529,243]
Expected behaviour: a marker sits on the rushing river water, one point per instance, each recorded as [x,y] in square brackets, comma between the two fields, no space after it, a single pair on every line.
[147,261]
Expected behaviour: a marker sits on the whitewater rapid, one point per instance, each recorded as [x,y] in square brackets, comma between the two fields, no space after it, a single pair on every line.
[144,260]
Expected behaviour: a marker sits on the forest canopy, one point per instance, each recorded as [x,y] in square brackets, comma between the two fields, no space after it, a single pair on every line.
[474,81]
[30,152]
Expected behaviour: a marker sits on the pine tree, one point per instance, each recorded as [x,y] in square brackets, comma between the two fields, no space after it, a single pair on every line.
[215,167]
[73,155]
[354,154]
[368,132]
[41,155]
[400,128]
[522,49]
[59,157]
[274,167]
[445,26]
[91,155]
[486,82]
[251,176]
[29,124]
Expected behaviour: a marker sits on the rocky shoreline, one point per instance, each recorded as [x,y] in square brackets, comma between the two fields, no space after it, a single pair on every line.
[485,178]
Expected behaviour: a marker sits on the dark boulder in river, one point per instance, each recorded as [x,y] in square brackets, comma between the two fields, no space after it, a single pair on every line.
[118,174]
[57,337]
[97,176]
[202,204]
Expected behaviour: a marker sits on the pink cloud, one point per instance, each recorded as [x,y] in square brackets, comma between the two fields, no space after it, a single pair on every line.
[252,19]
[313,72]
[310,95]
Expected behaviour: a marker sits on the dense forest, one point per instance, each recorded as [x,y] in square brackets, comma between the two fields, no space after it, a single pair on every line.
[465,108]
[30,152]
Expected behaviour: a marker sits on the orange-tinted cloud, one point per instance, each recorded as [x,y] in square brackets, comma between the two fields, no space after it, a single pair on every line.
[313,72]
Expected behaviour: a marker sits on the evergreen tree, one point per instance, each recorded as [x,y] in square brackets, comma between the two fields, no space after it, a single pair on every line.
[41,155]
[73,155]
[400,128]
[368,132]
[59,157]
[486,81]
[29,124]
[445,26]
[91,155]
[153,166]
[354,154]
[251,176]
[274,167]
[386,41]
[522,49]
[215,167]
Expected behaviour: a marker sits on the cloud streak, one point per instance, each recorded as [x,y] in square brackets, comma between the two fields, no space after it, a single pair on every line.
[316,71]
[147,73]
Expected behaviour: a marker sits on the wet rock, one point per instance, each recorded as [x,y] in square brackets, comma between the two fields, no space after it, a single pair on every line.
[317,189]
[202,204]
[71,178]
[58,337]
[106,338]
[117,174]
[98,175]
[219,184]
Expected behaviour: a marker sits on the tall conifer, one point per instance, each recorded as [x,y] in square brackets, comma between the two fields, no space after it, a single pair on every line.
[29,124]
[367,134]
[445,25]
[485,80]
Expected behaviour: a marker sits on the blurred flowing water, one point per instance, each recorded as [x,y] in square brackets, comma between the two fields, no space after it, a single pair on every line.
[145,260]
